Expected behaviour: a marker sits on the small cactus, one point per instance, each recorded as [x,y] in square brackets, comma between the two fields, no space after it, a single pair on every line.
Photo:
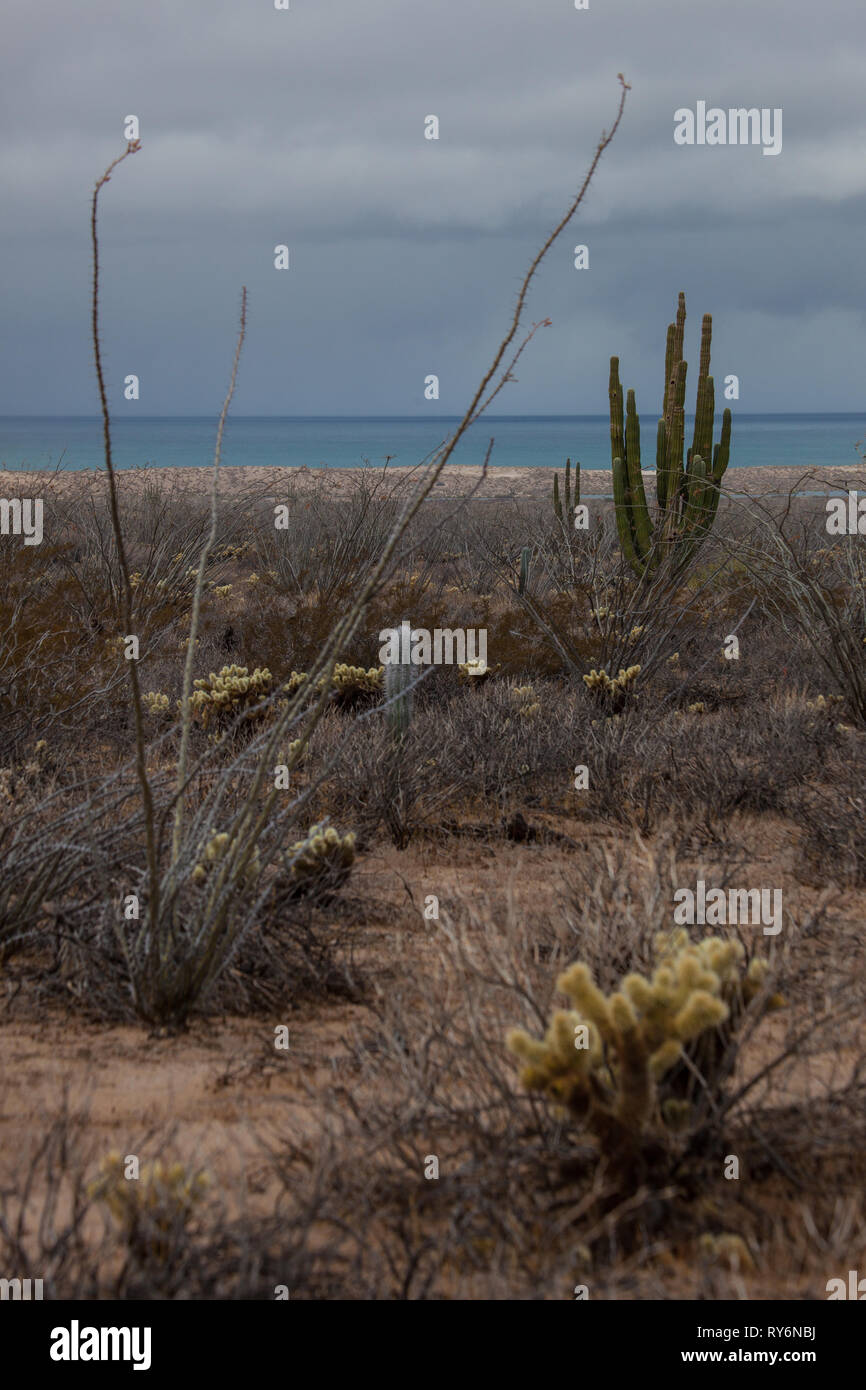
[612,692]
[321,861]
[231,691]
[399,676]
[566,516]
[153,1209]
[353,685]
[625,1065]
[524,568]
[218,848]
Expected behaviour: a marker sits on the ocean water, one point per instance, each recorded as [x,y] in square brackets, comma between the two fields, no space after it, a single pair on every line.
[74,442]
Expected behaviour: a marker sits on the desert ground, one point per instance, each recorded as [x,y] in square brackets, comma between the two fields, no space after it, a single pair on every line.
[311,1073]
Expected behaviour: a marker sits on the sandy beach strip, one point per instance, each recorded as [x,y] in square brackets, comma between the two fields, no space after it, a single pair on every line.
[455,481]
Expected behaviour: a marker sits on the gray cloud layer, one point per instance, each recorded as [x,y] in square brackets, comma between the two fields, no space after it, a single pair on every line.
[306,127]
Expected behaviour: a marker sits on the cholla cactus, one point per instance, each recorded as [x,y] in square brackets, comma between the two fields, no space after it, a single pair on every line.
[323,859]
[353,685]
[215,851]
[153,1209]
[234,690]
[825,704]
[295,681]
[619,1063]
[612,692]
[525,701]
[155,703]
[475,670]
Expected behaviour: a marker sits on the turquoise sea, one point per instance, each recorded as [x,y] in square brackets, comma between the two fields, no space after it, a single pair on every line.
[73,442]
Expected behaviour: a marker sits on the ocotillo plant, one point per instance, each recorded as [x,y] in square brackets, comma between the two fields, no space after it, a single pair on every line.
[399,676]
[568,515]
[687,495]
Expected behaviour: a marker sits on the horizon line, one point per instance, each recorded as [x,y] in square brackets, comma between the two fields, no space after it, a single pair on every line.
[534,415]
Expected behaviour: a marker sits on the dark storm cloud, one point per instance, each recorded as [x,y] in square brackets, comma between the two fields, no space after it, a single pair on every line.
[306,127]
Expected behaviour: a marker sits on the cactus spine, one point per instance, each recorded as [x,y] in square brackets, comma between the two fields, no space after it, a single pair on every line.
[399,676]
[687,495]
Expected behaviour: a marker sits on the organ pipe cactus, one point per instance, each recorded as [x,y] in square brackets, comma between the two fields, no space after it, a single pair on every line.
[687,494]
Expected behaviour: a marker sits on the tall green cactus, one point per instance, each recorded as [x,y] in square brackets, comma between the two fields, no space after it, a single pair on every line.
[399,676]
[568,514]
[687,494]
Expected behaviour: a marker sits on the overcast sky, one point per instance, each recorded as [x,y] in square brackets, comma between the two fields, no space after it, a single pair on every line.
[306,127]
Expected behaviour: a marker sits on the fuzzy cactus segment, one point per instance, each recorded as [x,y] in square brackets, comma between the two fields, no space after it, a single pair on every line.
[232,691]
[625,1064]
[322,860]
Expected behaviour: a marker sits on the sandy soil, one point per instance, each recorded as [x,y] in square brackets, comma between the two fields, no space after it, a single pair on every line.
[456,480]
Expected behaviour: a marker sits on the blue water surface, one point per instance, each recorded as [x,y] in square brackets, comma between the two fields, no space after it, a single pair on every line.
[527,441]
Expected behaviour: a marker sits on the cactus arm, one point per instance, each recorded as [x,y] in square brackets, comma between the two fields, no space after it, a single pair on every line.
[721,458]
[557,505]
[641,523]
[669,365]
[695,489]
[617,438]
[568,490]
[661,465]
[622,506]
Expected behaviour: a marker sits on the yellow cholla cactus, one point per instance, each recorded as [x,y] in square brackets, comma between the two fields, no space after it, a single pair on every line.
[353,685]
[825,704]
[215,851]
[153,1208]
[222,590]
[155,703]
[475,670]
[612,691]
[295,681]
[230,692]
[324,858]
[524,698]
[618,1062]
